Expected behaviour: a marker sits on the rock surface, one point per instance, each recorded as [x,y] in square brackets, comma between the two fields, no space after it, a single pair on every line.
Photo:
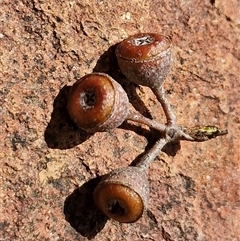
[49,168]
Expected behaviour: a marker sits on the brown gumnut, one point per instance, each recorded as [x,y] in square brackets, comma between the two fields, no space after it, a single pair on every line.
[123,194]
[97,102]
[145,58]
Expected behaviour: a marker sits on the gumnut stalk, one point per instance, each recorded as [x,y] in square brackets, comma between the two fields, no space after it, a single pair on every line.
[123,194]
[146,59]
[96,102]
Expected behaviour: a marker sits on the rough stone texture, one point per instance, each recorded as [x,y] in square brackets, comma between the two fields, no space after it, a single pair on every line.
[49,168]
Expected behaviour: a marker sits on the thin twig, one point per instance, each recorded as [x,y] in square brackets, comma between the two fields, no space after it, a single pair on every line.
[160,94]
[197,133]
[146,160]
[137,117]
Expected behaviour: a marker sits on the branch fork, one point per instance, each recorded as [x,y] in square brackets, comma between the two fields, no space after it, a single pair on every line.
[171,131]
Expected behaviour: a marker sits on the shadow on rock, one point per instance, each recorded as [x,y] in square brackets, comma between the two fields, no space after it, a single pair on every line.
[81,212]
[172,148]
[61,132]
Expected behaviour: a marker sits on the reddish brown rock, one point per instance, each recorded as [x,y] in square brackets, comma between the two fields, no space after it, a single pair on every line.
[48,167]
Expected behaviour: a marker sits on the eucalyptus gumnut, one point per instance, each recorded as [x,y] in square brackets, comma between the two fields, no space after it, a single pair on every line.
[123,194]
[96,102]
[145,58]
